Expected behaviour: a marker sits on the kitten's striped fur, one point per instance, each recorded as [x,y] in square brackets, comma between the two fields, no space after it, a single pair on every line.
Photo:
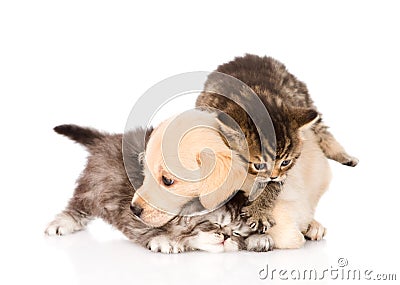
[291,109]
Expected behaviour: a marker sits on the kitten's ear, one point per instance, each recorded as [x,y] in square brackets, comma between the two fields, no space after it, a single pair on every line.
[305,118]
[232,135]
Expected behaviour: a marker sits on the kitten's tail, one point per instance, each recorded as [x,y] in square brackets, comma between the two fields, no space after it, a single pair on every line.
[84,136]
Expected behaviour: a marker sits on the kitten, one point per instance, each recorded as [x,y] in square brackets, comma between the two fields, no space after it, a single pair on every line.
[295,206]
[292,112]
[104,190]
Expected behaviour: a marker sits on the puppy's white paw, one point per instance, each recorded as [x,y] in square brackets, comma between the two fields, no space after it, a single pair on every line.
[62,225]
[165,245]
[259,242]
[315,231]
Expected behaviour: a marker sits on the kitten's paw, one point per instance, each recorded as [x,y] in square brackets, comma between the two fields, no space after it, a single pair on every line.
[315,231]
[286,237]
[259,242]
[164,245]
[257,219]
[62,225]
[208,241]
[230,245]
[348,160]
[178,248]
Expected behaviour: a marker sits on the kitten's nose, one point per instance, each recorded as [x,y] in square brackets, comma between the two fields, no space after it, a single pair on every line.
[136,210]
[226,236]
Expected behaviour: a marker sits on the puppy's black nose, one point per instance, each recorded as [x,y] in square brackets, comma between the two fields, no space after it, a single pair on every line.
[136,210]
[273,178]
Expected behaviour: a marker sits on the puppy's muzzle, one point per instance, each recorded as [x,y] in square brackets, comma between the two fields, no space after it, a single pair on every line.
[136,210]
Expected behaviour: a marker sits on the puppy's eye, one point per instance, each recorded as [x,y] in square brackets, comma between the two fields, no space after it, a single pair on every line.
[286,162]
[260,166]
[167,181]
[236,234]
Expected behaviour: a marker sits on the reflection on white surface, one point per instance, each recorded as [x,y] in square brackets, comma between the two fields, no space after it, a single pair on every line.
[102,255]
[89,259]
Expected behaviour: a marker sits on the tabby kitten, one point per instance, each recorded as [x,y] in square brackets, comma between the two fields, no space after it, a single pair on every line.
[291,111]
[104,190]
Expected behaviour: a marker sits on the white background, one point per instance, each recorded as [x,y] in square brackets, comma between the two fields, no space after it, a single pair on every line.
[87,62]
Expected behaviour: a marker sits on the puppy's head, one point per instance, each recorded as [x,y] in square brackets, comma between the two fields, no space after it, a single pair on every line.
[186,158]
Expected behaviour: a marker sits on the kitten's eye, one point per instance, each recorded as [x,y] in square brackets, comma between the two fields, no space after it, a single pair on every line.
[167,181]
[260,166]
[217,224]
[286,162]
[236,234]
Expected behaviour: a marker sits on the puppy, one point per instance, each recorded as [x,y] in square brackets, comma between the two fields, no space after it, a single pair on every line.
[186,157]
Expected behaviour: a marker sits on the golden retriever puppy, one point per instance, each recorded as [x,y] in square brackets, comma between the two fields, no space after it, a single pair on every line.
[186,158]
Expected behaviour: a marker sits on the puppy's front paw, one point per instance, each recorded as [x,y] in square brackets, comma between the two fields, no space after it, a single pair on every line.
[165,245]
[315,231]
[258,219]
[259,242]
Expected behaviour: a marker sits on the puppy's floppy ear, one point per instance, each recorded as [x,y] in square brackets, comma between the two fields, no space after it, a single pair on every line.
[305,118]
[223,175]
